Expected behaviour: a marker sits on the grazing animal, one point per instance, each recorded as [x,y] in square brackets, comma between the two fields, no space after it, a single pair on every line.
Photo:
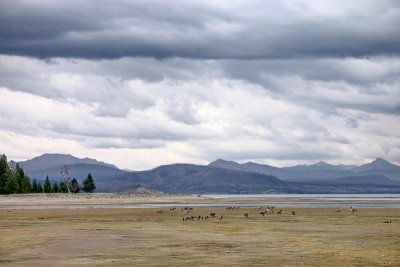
[262,213]
[338,210]
[270,209]
[171,209]
[212,214]
[160,211]
[389,221]
[279,212]
[246,215]
[220,217]
[206,218]
[293,212]
[352,209]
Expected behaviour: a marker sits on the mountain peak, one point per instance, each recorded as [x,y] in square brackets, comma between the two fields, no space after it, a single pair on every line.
[219,162]
[380,160]
[50,160]
[320,164]
[378,164]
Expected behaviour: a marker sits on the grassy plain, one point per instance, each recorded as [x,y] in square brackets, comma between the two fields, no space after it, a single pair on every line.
[61,236]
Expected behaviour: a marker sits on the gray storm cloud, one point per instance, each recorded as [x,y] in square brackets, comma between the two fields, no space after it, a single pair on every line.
[202,30]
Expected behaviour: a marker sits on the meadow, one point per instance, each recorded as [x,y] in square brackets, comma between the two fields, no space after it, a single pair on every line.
[31,235]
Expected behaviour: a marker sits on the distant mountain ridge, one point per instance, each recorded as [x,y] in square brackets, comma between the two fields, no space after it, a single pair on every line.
[222,176]
[318,171]
[190,178]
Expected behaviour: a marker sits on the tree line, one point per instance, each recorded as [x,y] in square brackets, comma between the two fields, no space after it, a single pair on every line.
[13,180]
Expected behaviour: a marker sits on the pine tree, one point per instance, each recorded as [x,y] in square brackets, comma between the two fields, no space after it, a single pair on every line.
[11,186]
[47,185]
[23,182]
[34,186]
[88,184]
[75,186]
[4,171]
[39,188]
[63,188]
[3,164]
[56,189]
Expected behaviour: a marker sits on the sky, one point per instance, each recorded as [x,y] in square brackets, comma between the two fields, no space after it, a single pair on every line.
[145,83]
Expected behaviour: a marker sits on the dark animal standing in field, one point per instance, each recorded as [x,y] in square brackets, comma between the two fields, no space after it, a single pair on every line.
[171,209]
[188,218]
[352,209]
[246,215]
[279,212]
[212,214]
[293,212]
[187,209]
[262,213]
[206,218]
[388,221]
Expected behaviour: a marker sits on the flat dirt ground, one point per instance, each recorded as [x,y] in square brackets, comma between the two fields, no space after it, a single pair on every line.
[35,232]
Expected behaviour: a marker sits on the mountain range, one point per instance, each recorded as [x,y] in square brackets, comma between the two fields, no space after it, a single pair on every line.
[317,171]
[221,176]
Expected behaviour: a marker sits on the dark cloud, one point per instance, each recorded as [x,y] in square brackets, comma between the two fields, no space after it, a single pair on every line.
[206,30]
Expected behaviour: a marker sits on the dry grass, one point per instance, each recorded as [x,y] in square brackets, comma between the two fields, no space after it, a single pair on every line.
[140,237]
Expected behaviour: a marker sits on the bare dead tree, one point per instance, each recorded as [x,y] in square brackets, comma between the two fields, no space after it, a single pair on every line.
[67,178]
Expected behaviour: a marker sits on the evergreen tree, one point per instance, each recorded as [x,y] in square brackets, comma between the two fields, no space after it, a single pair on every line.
[47,185]
[4,171]
[11,186]
[34,186]
[3,181]
[56,189]
[39,188]
[3,166]
[88,184]
[74,186]
[23,182]
[63,188]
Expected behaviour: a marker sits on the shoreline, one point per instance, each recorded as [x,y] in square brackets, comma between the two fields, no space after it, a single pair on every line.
[111,200]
